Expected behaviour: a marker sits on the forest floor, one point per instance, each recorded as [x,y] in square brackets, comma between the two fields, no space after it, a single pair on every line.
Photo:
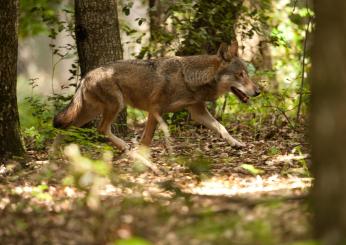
[204,193]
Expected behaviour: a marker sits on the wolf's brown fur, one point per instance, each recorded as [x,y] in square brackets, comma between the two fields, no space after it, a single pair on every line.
[158,86]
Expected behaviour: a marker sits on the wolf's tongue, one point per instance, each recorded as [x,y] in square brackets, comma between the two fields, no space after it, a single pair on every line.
[242,97]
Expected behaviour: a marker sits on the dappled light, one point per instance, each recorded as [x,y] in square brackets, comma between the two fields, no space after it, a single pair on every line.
[272,185]
[167,122]
[188,184]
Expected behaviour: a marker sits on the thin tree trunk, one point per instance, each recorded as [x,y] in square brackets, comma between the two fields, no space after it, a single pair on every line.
[155,16]
[217,30]
[158,27]
[98,39]
[328,116]
[10,139]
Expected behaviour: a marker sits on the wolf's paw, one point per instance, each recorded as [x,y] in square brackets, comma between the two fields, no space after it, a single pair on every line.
[124,148]
[237,144]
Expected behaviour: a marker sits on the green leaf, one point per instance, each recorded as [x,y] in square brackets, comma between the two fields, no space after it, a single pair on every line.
[251,169]
[273,151]
[132,241]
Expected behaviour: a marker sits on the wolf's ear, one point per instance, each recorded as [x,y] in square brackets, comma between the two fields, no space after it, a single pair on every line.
[227,52]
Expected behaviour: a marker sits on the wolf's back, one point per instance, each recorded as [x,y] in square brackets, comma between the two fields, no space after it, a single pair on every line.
[67,116]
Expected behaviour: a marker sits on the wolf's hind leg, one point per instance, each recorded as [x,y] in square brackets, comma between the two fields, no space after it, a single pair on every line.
[200,114]
[108,116]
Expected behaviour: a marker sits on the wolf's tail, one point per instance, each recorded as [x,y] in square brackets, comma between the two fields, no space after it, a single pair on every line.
[67,116]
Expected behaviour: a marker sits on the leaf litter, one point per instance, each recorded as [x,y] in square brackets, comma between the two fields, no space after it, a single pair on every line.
[204,193]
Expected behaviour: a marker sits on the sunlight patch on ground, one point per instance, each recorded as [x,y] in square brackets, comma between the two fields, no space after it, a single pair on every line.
[287,158]
[51,197]
[252,185]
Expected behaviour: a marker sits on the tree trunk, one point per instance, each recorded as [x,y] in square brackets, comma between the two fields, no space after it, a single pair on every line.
[10,139]
[155,16]
[98,39]
[158,28]
[328,80]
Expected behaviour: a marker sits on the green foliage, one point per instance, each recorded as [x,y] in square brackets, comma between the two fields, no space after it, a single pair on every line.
[252,169]
[33,13]
[132,241]
[210,228]
[199,165]
[36,112]
[35,138]
[273,151]
[35,116]
[193,26]
[275,109]
[40,110]
[87,137]
[54,19]
[40,192]
[177,118]
[127,8]
[135,116]
[197,27]
[261,231]
[216,229]
[293,24]
[211,23]
[309,242]
[89,175]
[302,161]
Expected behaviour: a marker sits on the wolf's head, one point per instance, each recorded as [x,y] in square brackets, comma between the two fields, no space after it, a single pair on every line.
[233,75]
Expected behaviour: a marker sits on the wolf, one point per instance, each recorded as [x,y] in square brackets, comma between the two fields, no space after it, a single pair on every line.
[157,86]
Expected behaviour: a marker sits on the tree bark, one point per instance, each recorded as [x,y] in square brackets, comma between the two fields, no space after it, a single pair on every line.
[10,138]
[328,80]
[155,16]
[158,28]
[98,39]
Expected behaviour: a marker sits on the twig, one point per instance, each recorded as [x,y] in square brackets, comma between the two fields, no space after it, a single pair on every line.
[284,114]
[224,105]
[303,64]
[294,6]
[286,117]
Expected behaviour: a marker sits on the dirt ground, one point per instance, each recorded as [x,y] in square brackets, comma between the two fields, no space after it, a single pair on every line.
[204,193]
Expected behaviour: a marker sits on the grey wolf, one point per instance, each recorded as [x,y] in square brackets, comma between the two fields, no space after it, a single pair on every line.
[159,86]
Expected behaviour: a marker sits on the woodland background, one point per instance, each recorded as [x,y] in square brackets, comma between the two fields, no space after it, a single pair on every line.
[206,192]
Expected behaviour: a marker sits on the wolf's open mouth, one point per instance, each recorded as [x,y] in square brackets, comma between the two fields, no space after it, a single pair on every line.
[241,96]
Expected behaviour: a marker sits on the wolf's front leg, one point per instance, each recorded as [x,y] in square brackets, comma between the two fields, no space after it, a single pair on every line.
[200,113]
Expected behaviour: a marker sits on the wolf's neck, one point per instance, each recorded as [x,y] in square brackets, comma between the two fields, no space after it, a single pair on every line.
[207,92]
